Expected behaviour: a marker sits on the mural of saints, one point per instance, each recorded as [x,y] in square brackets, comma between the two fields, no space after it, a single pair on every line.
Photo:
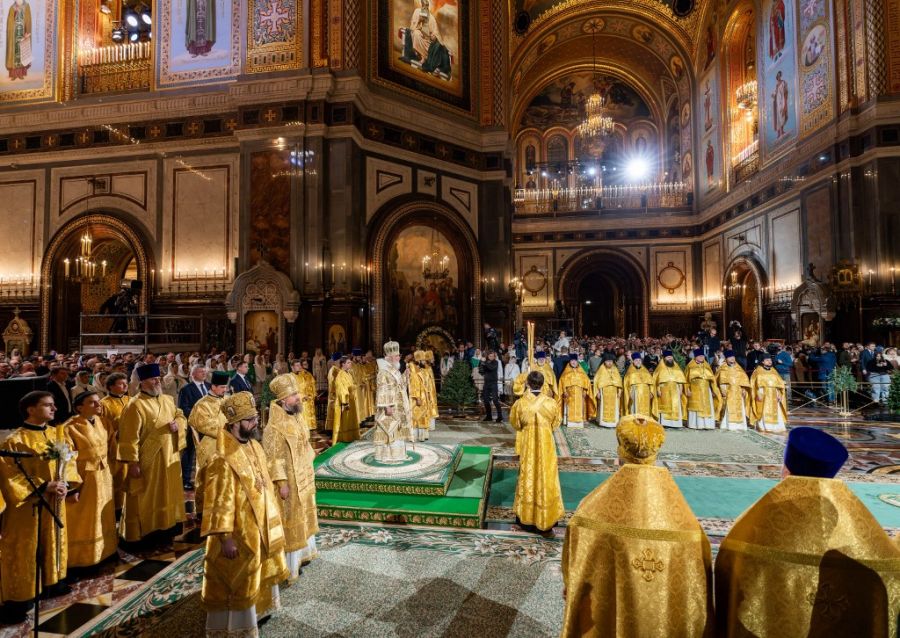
[200,27]
[776,30]
[780,106]
[18,40]
[423,44]
[707,107]
[710,163]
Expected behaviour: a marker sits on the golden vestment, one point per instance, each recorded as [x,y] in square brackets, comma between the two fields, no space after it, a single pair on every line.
[576,395]
[636,561]
[92,520]
[358,374]
[520,385]
[638,386]
[155,501]
[702,382]
[419,397]
[391,430]
[429,373]
[538,498]
[767,384]
[736,399]
[112,412]
[242,503]
[306,386]
[18,531]
[808,559]
[342,417]
[286,443]
[608,389]
[550,382]
[207,424]
[669,398]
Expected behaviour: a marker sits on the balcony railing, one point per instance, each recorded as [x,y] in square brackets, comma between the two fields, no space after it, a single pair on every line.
[116,68]
[664,195]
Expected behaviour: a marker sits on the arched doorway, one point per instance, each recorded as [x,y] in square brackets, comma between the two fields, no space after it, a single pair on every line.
[605,292]
[407,299]
[743,290]
[116,254]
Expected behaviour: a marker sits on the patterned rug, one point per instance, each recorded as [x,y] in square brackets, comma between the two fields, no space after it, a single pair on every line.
[499,436]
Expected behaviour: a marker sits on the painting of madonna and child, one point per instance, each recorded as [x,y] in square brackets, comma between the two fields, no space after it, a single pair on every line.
[422,295]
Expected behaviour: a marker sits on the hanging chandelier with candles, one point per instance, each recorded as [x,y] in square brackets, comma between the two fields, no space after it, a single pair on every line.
[435,267]
[595,122]
[747,95]
[84,268]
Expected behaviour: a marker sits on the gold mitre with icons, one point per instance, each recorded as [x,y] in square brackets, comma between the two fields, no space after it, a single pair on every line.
[239,407]
[640,439]
[391,348]
[283,386]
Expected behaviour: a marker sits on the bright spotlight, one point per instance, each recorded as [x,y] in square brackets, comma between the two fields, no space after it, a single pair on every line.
[133,37]
[637,169]
[131,18]
[591,171]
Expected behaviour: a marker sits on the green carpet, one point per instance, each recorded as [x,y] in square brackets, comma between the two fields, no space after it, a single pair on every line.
[499,436]
[681,445]
[709,497]
[462,506]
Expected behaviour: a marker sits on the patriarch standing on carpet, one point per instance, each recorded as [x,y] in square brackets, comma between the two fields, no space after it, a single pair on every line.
[393,416]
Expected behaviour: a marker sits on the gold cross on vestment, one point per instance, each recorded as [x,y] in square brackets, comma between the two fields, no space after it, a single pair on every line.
[648,564]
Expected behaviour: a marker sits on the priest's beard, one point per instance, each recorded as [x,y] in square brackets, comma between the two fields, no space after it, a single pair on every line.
[396,365]
[291,409]
[767,367]
[670,363]
[153,392]
[245,433]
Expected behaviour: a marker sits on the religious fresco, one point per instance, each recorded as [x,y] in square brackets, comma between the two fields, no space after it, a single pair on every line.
[261,331]
[816,77]
[561,103]
[778,84]
[423,45]
[414,302]
[200,41]
[28,41]
[274,35]
[710,151]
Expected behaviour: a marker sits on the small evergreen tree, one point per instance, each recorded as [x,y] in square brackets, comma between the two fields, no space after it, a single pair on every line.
[458,388]
[894,393]
[842,379]
[265,398]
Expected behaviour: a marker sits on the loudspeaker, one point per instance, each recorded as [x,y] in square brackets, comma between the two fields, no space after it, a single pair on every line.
[682,8]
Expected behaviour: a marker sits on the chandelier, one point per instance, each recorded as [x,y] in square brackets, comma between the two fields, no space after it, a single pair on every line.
[84,268]
[595,122]
[747,95]
[433,266]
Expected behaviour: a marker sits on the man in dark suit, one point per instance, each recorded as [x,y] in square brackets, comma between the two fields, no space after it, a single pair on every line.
[58,386]
[188,396]
[239,382]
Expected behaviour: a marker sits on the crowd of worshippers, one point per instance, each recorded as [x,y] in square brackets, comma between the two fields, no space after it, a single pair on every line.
[113,473]
[807,559]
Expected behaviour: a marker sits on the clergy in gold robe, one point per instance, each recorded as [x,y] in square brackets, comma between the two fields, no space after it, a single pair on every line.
[576,396]
[207,424]
[608,391]
[286,443]
[306,386]
[734,388]
[18,534]
[669,397]
[393,416]
[703,396]
[334,367]
[358,373]
[342,418]
[244,559]
[91,512]
[420,396]
[808,558]
[768,400]
[152,433]
[538,501]
[113,404]
[638,386]
[543,365]
[641,570]
[429,371]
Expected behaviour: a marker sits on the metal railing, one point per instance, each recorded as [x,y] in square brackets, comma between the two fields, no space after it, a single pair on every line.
[145,330]
[530,201]
[820,395]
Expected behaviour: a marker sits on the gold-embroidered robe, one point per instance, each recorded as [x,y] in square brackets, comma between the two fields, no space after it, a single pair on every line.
[429,373]
[419,397]
[636,561]
[207,424]
[92,520]
[638,387]
[765,388]
[551,386]
[608,390]
[113,407]
[241,502]
[669,398]
[538,499]
[576,395]
[306,386]
[705,397]
[807,559]
[520,389]
[155,501]
[342,419]
[734,387]
[290,455]
[358,374]
[19,526]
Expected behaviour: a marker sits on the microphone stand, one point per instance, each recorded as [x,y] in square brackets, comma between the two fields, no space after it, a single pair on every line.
[38,506]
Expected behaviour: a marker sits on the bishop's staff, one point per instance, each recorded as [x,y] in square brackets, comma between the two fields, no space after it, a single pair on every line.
[530,332]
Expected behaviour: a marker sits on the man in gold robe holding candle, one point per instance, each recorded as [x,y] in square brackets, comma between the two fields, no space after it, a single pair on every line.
[768,399]
[342,418]
[91,512]
[207,422]
[643,570]
[419,396]
[808,558]
[538,501]
[576,396]
[703,396]
[286,443]
[112,406]
[638,386]
[152,433]
[306,386]
[608,390]
[244,559]
[734,387]
[669,397]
